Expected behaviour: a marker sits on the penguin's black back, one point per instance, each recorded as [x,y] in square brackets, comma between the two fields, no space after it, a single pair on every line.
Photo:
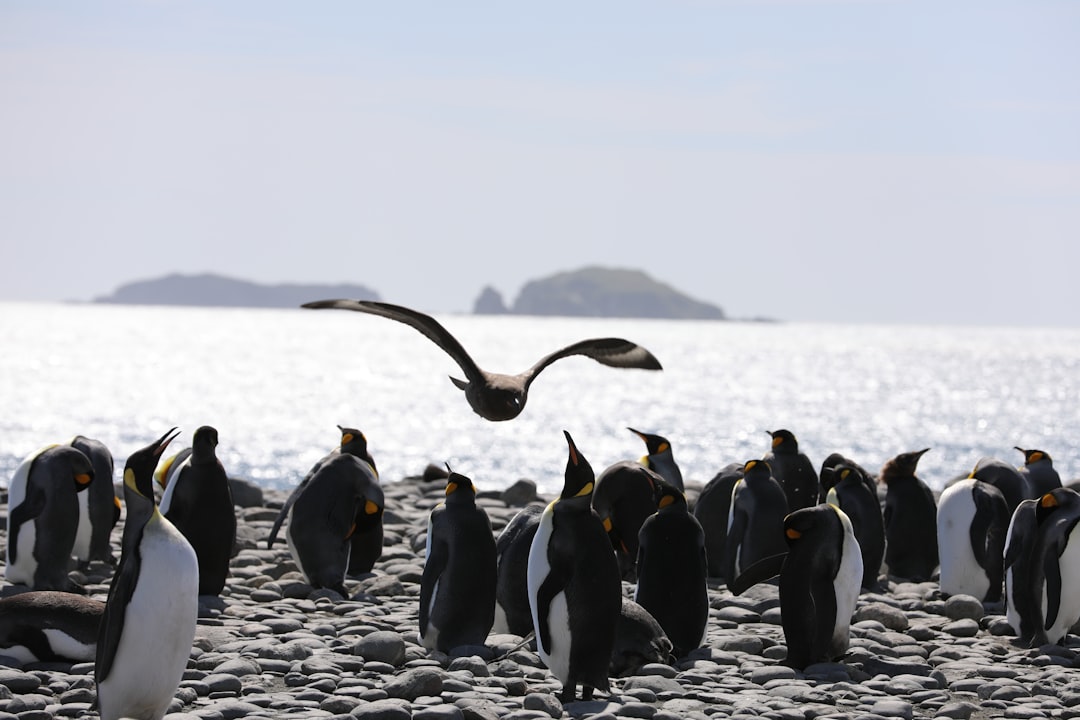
[711,510]
[867,522]
[910,515]
[624,494]
[512,552]
[672,573]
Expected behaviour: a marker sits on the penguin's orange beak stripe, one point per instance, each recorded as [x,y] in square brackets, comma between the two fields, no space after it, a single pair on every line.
[352,529]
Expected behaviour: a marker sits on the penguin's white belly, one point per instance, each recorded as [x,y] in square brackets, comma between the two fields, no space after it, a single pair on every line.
[66,646]
[429,637]
[81,550]
[295,555]
[159,627]
[1069,606]
[846,587]
[23,570]
[960,573]
[556,657]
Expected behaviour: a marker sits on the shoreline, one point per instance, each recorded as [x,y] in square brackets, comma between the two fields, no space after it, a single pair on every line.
[271,647]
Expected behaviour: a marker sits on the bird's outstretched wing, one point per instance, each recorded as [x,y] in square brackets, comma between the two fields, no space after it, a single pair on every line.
[428,326]
[615,352]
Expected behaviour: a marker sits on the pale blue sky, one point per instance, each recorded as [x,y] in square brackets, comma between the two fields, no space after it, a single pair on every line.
[858,161]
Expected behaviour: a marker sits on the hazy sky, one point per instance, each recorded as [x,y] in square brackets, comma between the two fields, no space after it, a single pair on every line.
[858,161]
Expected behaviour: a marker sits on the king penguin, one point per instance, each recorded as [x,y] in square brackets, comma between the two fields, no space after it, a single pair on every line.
[910,515]
[342,494]
[672,571]
[793,470]
[624,497]
[151,611]
[660,458]
[199,503]
[1038,469]
[756,519]
[820,575]
[99,508]
[848,491]
[1019,591]
[972,521]
[366,541]
[712,509]
[457,588]
[1011,482]
[1056,566]
[574,589]
[44,516]
[49,626]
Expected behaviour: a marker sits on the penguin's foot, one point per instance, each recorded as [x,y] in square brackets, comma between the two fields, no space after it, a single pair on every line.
[586,692]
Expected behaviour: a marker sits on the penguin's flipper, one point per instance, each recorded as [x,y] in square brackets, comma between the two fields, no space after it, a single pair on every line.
[284,512]
[438,556]
[764,569]
[824,615]
[1052,576]
[24,512]
[557,578]
[112,618]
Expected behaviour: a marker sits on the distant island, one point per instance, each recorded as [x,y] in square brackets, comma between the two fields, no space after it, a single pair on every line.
[588,292]
[599,292]
[209,290]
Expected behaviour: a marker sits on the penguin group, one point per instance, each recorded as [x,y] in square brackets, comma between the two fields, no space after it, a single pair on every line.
[629,552]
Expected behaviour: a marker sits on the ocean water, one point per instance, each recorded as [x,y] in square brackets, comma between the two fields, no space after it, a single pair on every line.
[276,383]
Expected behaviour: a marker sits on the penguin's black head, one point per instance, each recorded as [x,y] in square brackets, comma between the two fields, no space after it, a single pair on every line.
[579,477]
[667,495]
[353,442]
[203,443]
[654,444]
[756,469]
[807,522]
[903,465]
[1055,501]
[1033,456]
[459,488]
[783,441]
[139,468]
[82,470]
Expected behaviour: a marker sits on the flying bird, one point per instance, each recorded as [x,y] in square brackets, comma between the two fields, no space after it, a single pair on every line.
[494,396]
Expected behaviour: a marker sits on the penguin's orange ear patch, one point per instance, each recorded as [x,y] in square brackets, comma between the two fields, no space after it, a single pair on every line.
[1048,501]
[370,507]
[666,500]
[793,534]
[587,490]
[664,447]
[82,479]
[1035,457]
[346,438]
[451,487]
[607,524]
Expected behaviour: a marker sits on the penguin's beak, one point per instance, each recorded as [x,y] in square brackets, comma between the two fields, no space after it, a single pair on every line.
[164,440]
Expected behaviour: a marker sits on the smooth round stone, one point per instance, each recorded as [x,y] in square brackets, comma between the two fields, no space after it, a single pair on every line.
[412,684]
[543,702]
[471,663]
[239,667]
[381,646]
[762,675]
[657,669]
[18,681]
[735,614]
[959,607]
[656,684]
[382,710]
[222,682]
[964,628]
[438,712]
[888,616]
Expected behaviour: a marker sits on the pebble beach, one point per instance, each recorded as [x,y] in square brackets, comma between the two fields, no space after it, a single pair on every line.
[273,647]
